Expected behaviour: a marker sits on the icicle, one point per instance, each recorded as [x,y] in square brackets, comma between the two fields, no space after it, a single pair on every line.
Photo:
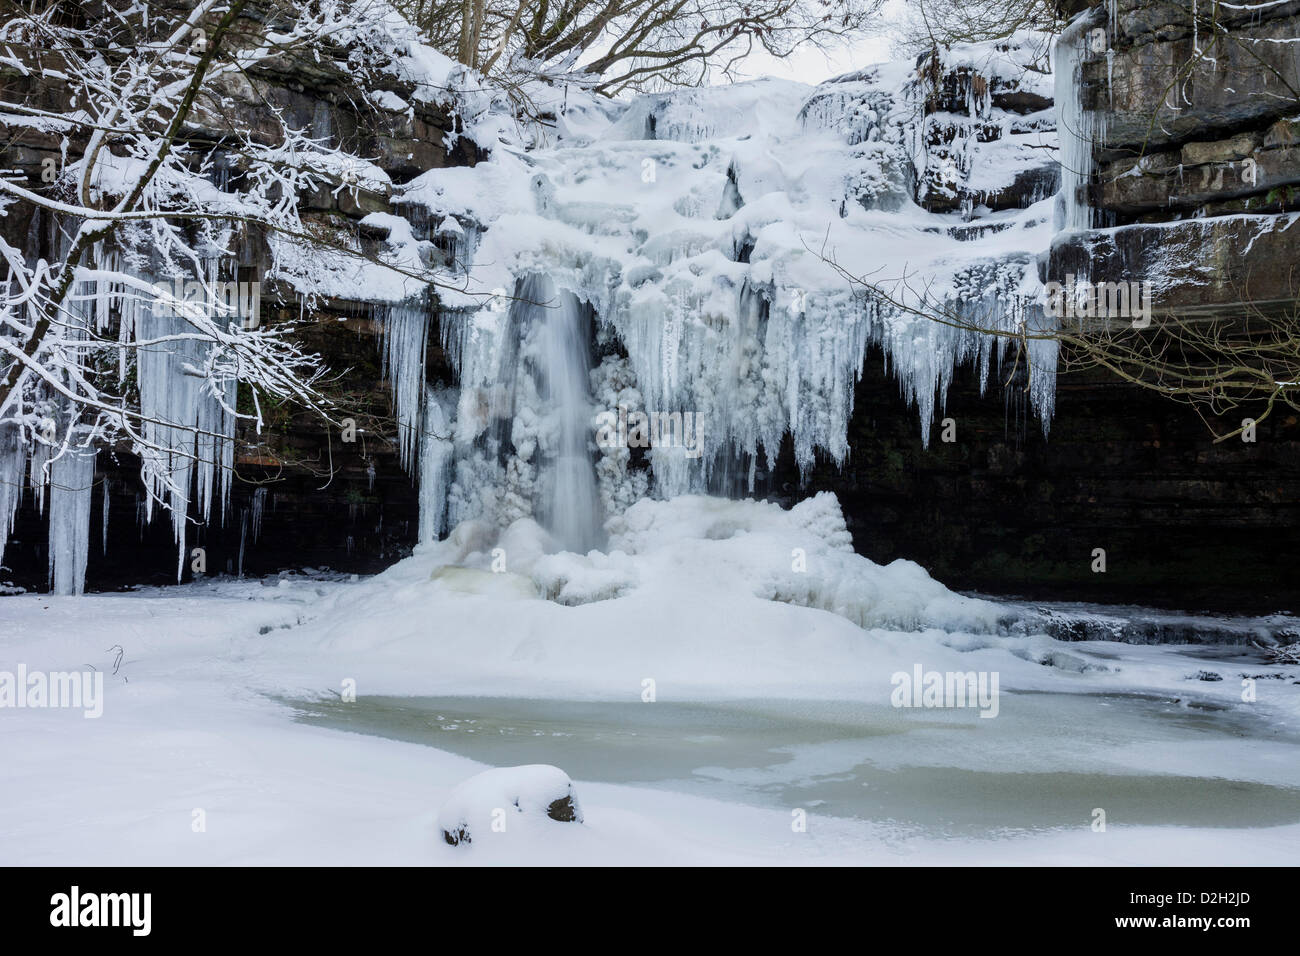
[255,513]
[190,425]
[103,547]
[1074,125]
[72,478]
[1110,77]
[13,464]
[405,334]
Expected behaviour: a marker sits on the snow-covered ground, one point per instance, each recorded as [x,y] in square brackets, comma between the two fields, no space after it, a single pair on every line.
[198,758]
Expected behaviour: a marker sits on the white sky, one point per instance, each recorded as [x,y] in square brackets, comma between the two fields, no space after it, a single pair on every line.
[810,65]
[813,66]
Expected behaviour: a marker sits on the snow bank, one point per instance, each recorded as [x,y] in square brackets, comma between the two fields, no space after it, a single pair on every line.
[803,556]
[188,726]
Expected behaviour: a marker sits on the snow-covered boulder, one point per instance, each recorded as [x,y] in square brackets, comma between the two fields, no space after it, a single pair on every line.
[508,798]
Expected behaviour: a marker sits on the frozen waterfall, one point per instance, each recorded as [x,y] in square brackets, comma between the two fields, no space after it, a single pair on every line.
[730,255]
[558,347]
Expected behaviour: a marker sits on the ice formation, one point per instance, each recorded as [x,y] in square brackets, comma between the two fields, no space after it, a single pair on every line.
[190,425]
[736,251]
[13,471]
[1075,125]
[72,476]
[728,253]
[705,551]
[436,457]
[195,426]
[405,331]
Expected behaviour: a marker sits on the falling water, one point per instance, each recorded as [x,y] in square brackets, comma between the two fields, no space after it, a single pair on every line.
[557,351]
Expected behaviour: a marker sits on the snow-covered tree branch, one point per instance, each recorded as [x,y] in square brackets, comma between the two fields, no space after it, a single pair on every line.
[617,45]
[128,320]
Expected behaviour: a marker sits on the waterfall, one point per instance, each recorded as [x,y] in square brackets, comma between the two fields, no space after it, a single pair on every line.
[559,351]
[437,455]
[521,441]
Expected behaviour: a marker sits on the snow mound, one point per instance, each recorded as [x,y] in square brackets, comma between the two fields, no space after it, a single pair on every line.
[695,547]
[507,799]
[573,579]
[650,524]
[802,556]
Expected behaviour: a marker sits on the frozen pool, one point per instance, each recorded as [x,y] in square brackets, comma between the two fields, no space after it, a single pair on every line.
[1048,760]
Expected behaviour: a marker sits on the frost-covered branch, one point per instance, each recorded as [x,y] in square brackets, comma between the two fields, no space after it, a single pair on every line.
[126,317]
[1245,363]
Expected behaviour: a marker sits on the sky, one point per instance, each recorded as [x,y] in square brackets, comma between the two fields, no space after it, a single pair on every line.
[812,66]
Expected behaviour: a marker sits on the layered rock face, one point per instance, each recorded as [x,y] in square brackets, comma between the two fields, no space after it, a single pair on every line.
[1191,185]
[1003,509]
[1192,168]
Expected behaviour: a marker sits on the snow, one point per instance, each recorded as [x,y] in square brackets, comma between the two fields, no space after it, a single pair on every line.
[504,800]
[195,719]
[803,556]
[388,100]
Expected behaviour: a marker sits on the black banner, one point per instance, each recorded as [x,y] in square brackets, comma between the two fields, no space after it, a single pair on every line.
[333,905]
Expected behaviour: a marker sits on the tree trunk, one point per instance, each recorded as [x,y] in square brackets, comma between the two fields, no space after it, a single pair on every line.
[471,27]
